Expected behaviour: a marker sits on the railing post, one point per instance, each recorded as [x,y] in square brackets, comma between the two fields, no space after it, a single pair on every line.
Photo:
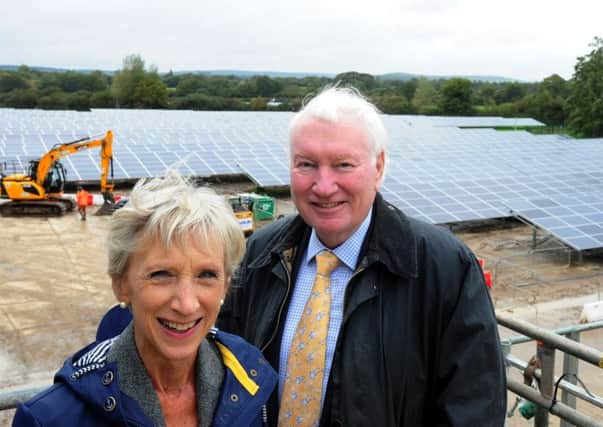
[546,355]
[506,346]
[570,367]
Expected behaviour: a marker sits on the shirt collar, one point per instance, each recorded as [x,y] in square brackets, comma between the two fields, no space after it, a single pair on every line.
[348,251]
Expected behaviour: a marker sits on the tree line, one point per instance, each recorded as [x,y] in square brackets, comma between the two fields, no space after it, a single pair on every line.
[576,104]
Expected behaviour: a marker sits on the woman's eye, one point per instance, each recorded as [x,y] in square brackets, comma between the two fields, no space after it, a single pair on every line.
[159,274]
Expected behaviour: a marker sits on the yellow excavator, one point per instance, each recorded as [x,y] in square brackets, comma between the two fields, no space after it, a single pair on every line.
[40,191]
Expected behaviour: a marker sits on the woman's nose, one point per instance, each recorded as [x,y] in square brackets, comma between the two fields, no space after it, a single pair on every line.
[185,300]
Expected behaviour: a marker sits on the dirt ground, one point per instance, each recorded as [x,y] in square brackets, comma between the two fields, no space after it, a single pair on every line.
[54,290]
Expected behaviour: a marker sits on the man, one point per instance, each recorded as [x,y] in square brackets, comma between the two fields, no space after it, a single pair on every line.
[411,339]
[82,202]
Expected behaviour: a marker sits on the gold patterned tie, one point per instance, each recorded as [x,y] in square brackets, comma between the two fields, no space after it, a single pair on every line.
[300,401]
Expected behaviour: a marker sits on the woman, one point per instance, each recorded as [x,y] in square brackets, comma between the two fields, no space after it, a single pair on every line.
[172,251]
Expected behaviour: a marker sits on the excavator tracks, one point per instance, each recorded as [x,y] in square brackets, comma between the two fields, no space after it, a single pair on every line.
[56,207]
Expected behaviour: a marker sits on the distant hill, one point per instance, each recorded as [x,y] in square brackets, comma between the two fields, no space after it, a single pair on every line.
[245,74]
[407,76]
[53,69]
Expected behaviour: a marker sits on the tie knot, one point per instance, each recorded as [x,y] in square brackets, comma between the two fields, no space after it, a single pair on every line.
[326,262]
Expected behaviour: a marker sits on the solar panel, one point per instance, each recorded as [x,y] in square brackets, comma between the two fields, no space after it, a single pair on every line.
[576,219]
[440,169]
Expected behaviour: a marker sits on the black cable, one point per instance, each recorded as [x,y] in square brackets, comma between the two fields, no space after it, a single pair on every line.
[554,400]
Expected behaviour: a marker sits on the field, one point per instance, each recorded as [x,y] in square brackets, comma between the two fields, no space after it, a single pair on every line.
[54,289]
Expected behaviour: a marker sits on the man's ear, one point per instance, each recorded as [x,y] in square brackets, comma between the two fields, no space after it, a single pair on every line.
[380,165]
[227,285]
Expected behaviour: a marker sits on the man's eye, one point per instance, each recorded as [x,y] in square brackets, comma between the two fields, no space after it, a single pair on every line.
[305,165]
[208,274]
[345,165]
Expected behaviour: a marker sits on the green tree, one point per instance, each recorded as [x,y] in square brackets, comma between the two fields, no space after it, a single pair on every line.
[101,99]
[247,88]
[484,94]
[392,104]
[150,92]
[53,101]
[425,98]
[189,84]
[11,80]
[548,102]
[267,87]
[510,92]
[79,101]
[21,98]
[585,103]
[135,87]
[409,87]
[258,103]
[455,97]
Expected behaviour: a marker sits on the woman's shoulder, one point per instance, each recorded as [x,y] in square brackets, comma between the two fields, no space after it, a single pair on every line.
[84,381]
[248,383]
[245,361]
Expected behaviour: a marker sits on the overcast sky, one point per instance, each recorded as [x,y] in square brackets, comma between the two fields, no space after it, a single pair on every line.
[521,39]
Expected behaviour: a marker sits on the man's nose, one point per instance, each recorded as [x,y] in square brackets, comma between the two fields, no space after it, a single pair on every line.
[325,182]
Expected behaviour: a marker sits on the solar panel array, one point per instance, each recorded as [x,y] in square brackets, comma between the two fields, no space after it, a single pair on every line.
[441,169]
[576,219]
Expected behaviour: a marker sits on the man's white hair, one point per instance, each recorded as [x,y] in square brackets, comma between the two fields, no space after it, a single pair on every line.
[344,105]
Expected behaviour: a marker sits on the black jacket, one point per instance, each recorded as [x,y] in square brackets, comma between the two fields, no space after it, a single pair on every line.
[418,344]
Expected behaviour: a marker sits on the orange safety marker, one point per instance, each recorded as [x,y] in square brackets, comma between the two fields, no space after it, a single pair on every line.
[488,279]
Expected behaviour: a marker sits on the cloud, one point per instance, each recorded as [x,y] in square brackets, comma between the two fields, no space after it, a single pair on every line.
[522,39]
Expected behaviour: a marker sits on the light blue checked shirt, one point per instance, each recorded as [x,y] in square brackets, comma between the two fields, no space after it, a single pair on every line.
[347,253]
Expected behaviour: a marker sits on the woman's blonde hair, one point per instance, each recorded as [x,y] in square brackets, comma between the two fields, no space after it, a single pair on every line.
[170,210]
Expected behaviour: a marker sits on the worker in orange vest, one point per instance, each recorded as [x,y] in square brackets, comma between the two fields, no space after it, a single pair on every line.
[82,202]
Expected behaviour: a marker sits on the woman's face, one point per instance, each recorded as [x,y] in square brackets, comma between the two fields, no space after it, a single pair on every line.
[175,297]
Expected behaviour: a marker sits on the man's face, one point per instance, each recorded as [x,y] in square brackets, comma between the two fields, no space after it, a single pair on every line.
[334,178]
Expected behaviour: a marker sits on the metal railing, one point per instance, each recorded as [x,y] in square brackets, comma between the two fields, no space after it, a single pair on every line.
[10,399]
[545,398]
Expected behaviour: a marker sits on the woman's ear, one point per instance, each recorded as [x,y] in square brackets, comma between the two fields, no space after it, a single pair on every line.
[119,289]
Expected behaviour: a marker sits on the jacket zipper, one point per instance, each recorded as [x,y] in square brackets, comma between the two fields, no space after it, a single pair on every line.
[345,296]
[281,308]
[264,415]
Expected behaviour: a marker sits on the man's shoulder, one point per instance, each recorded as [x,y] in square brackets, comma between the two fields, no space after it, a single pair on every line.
[422,234]
[436,236]
[272,234]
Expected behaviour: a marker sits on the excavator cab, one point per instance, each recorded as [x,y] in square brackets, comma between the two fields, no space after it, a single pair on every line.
[55,179]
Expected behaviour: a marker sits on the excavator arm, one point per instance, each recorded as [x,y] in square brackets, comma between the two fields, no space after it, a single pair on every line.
[62,150]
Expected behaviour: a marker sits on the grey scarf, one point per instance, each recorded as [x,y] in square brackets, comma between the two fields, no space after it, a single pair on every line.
[136,383]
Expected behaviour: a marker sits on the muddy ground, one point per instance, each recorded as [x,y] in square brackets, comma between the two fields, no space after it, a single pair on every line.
[54,289]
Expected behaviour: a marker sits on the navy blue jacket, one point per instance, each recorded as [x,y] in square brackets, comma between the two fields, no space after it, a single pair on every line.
[86,391]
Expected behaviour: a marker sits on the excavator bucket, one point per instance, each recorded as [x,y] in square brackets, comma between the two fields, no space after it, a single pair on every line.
[109,205]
